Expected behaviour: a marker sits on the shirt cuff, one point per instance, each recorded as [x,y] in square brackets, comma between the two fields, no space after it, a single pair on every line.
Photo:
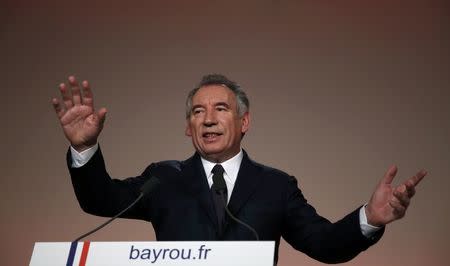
[81,158]
[366,229]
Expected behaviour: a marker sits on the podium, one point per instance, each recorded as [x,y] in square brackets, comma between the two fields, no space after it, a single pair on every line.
[217,253]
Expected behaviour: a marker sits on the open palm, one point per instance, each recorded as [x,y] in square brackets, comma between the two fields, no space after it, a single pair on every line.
[80,123]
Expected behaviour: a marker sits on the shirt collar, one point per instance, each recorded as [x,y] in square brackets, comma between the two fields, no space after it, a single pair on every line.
[231,167]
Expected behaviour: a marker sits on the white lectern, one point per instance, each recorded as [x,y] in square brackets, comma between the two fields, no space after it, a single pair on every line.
[217,253]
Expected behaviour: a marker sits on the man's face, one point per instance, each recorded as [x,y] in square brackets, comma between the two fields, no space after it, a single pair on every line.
[214,124]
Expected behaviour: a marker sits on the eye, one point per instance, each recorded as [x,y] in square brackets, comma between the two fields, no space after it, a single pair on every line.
[197,111]
[221,108]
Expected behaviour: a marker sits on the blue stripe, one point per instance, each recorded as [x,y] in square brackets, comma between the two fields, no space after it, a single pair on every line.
[73,249]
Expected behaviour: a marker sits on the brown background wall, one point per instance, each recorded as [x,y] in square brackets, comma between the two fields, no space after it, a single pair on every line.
[339,91]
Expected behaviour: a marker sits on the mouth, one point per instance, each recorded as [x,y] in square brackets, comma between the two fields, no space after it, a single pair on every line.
[211,136]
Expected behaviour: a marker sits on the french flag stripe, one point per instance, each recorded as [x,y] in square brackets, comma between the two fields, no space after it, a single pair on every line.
[73,250]
[84,253]
[75,256]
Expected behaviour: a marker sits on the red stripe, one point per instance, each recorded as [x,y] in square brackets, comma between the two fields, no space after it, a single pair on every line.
[84,253]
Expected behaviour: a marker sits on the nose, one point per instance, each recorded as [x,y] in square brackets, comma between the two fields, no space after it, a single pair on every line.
[210,118]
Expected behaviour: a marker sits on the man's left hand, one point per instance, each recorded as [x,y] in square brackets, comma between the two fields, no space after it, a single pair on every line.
[389,203]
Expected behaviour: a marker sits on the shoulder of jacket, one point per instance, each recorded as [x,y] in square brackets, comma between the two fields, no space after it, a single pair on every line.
[166,167]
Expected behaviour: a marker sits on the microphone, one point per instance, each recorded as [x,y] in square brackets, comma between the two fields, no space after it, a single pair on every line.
[219,186]
[146,189]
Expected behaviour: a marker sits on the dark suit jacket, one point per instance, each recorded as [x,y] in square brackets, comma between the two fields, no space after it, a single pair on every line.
[181,208]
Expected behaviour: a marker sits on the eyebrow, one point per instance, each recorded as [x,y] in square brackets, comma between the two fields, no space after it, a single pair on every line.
[216,104]
[196,106]
[222,104]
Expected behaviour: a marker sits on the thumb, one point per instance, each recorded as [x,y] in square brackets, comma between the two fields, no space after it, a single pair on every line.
[101,114]
[389,175]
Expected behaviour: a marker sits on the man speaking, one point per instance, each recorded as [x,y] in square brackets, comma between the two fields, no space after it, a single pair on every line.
[189,202]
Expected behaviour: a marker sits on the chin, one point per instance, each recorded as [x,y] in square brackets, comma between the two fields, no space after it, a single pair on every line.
[214,154]
[213,148]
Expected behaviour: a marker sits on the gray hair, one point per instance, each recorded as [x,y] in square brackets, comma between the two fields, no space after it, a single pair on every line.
[243,104]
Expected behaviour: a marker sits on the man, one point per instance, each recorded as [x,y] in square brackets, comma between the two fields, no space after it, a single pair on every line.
[183,207]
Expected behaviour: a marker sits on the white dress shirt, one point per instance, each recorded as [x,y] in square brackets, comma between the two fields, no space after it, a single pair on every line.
[231,169]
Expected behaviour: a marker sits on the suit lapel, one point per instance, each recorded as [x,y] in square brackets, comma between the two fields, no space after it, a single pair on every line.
[197,185]
[246,183]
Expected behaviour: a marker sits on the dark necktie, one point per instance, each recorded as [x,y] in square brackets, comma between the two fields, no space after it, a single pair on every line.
[219,195]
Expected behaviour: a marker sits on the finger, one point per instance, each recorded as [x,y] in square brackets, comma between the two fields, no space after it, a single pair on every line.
[76,94]
[410,188]
[418,177]
[390,174]
[88,97]
[58,108]
[401,195]
[66,96]
[398,210]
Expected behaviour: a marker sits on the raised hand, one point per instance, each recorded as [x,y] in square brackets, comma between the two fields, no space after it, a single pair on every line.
[390,203]
[80,122]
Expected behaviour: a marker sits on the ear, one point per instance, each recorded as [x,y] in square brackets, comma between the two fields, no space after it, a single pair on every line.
[188,132]
[245,122]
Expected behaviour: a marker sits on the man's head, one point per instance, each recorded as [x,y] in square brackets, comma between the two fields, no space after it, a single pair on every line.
[217,115]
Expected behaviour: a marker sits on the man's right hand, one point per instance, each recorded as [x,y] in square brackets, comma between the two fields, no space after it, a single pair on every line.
[80,122]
